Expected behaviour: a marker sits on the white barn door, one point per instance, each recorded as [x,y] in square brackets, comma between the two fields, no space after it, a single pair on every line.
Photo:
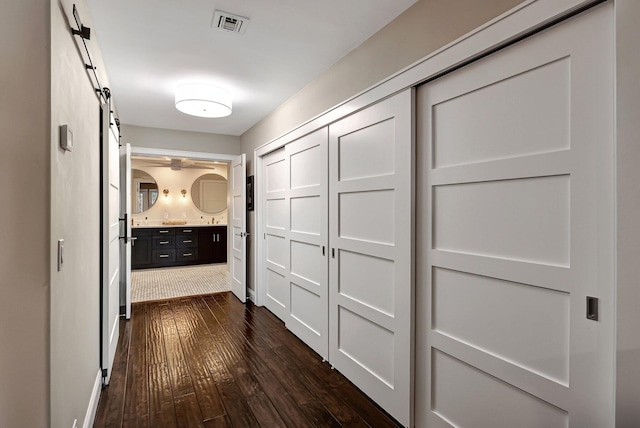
[370,267]
[110,242]
[515,229]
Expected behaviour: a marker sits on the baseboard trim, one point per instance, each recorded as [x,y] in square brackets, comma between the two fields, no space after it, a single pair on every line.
[251,294]
[93,402]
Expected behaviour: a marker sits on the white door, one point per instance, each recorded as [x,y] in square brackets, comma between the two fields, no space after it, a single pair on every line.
[306,243]
[515,211]
[125,241]
[370,234]
[238,227]
[275,197]
[110,241]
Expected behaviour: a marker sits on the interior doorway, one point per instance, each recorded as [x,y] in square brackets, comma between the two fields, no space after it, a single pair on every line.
[179,206]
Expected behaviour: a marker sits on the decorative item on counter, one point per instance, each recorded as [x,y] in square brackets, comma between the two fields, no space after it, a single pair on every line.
[146,221]
[174,222]
[184,193]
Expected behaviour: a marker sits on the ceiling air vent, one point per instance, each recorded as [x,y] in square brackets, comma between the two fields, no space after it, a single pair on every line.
[225,21]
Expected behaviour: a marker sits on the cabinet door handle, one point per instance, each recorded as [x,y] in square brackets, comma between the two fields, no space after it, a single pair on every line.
[164,256]
[187,255]
[187,241]
[163,231]
[187,231]
[164,242]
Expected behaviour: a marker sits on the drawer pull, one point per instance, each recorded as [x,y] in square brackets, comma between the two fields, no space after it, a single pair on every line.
[187,255]
[164,256]
[187,241]
[163,231]
[187,230]
[164,242]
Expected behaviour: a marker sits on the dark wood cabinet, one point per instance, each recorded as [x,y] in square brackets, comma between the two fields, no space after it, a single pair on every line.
[178,246]
[212,244]
[141,255]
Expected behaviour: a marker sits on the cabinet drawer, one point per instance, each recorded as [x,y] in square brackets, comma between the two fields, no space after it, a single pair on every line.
[139,231]
[163,256]
[165,231]
[160,242]
[187,241]
[186,231]
[187,255]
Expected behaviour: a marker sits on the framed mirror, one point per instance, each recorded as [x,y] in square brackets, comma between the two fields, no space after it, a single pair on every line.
[144,191]
[209,193]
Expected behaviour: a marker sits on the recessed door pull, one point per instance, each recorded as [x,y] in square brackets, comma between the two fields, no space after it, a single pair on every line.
[333,253]
[592,308]
[323,250]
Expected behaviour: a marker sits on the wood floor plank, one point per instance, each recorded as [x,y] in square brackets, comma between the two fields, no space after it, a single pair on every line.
[264,411]
[165,417]
[332,401]
[137,384]
[188,414]
[365,408]
[208,398]
[282,401]
[238,411]
[318,415]
[155,336]
[160,394]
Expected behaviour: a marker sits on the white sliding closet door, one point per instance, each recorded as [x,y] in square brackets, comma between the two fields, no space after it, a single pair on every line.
[370,233]
[515,226]
[276,232]
[307,275]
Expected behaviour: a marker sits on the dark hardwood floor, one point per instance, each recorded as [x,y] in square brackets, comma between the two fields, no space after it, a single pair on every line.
[210,361]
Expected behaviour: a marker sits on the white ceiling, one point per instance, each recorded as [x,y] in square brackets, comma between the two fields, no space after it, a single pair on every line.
[151,46]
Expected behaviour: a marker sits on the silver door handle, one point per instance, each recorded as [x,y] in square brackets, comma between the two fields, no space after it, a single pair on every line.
[243,234]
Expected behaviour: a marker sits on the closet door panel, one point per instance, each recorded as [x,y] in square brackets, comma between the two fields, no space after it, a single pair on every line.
[370,235]
[276,227]
[308,272]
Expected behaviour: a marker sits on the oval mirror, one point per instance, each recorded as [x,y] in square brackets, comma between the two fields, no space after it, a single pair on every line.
[144,191]
[209,193]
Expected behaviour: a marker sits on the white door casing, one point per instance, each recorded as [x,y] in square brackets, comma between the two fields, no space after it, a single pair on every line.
[515,230]
[371,182]
[125,213]
[238,227]
[110,286]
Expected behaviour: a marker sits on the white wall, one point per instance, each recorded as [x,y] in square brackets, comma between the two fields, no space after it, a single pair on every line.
[140,136]
[174,204]
[75,217]
[24,223]
[420,30]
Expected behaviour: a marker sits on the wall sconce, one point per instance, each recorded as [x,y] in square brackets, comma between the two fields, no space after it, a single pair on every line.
[166,192]
[184,193]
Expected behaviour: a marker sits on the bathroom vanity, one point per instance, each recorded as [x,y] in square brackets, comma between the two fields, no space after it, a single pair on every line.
[163,246]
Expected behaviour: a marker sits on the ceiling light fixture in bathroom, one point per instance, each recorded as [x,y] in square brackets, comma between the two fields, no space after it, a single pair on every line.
[203,100]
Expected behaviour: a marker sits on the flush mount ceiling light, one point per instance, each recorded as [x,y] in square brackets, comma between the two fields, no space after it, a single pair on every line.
[203,100]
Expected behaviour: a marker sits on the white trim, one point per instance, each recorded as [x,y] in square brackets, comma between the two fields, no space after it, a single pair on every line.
[251,294]
[150,151]
[93,402]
